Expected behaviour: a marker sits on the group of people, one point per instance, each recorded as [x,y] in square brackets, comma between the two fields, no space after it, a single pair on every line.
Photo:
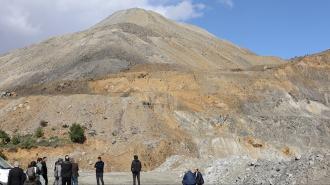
[191,178]
[66,172]
[36,172]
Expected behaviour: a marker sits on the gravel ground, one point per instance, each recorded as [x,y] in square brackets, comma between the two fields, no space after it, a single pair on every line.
[125,178]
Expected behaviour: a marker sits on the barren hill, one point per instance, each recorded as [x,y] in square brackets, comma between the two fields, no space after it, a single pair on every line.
[176,96]
[125,39]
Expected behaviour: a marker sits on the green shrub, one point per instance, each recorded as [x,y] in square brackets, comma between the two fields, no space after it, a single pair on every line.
[4,138]
[31,141]
[28,142]
[16,139]
[2,155]
[77,133]
[39,132]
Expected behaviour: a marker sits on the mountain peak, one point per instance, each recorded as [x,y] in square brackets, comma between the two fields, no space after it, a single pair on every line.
[137,16]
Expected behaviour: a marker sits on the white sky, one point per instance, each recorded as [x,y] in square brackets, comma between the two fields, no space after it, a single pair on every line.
[23,22]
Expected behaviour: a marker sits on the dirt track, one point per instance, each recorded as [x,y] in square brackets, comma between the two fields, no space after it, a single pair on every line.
[125,178]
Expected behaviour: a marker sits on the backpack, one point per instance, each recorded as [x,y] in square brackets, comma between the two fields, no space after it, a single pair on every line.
[31,173]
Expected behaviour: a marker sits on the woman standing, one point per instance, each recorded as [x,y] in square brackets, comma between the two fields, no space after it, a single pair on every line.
[57,172]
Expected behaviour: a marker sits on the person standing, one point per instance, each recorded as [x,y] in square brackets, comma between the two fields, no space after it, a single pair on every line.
[199,177]
[39,171]
[136,169]
[16,175]
[189,178]
[31,173]
[44,171]
[57,172]
[75,170]
[66,171]
[99,167]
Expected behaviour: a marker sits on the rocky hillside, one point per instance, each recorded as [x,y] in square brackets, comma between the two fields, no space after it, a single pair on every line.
[125,39]
[173,94]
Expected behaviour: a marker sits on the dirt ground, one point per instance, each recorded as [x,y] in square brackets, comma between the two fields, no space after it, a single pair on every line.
[125,178]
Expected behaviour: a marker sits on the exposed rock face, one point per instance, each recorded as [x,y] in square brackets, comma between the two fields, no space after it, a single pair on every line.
[172,93]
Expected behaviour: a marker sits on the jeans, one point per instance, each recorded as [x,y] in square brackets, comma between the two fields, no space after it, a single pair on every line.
[99,176]
[136,176]
[74,180]
[66,180]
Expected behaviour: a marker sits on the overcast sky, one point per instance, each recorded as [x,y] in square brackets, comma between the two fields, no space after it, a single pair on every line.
[268,27]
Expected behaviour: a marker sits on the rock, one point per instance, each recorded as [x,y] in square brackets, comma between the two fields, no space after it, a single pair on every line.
[135,130]
[92,133]
[7,94]
[2,94]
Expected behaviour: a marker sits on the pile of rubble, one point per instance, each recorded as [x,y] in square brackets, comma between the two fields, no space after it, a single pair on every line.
[7,94]
[312,168]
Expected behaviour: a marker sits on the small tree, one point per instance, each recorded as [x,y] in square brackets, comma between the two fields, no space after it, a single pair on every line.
[39,132]
[4,138]
[77,133]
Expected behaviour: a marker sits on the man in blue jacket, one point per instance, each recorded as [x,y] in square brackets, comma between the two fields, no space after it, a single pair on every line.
[189,178]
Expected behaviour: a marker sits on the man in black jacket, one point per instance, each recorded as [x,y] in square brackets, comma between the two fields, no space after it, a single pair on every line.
[44,172]
[16,175]
[136,169]
[66,171]
[99,167]
[198,177]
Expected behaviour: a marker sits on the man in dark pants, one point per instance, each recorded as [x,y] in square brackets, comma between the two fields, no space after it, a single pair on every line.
[44,172]
[66,171]
[199,177]
[136,169]
[16,175]
[99,166]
